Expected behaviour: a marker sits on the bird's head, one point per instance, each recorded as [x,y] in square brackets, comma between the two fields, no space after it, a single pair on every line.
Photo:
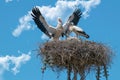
[59,20]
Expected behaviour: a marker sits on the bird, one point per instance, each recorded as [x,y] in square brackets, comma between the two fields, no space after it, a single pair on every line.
[77,30]
[50,31]
[71,25]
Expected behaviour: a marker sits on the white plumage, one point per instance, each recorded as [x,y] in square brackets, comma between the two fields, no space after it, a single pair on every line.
[78,31]
[60,29]
[71,25]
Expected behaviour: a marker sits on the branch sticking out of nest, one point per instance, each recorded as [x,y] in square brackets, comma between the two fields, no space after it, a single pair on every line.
[77,56]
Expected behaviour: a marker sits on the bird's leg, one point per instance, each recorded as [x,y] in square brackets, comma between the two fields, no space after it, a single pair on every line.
[77,35]
[68,35]
[75,75]
[69,72]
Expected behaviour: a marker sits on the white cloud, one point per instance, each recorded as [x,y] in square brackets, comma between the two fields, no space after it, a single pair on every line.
[88,5]
[24,24]
[16,62]
[62,8]
[8,1]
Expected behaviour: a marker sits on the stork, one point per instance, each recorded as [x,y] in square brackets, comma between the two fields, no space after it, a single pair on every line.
[77,30]
[71,25]
[47,29]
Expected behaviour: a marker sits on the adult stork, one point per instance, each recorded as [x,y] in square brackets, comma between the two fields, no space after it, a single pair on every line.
[47,29]
[71,25]
[77,30]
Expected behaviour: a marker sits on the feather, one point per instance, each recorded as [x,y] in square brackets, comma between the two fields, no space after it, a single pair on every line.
[44,26]
[36,14]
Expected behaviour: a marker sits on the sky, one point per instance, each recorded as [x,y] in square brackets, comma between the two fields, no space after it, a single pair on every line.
[20,38]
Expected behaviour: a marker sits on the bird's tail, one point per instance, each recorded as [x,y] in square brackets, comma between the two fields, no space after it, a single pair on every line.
[82,33]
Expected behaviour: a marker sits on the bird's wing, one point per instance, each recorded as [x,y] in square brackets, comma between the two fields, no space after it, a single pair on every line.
[76,28]
[80,31]
[75,17]
[41,23]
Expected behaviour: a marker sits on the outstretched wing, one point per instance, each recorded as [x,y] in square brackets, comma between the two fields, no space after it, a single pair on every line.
[75,17]
[41,23]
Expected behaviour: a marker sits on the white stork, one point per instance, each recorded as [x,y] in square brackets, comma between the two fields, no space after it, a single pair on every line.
[77,30]
[70,25]
[50,31]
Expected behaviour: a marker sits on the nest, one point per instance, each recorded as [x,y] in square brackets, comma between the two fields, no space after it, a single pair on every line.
[77,56]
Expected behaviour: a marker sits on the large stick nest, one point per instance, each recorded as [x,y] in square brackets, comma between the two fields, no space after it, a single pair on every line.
[77,56]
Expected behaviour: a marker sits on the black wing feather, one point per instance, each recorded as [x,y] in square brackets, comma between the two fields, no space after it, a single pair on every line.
[75,17]
[36,14]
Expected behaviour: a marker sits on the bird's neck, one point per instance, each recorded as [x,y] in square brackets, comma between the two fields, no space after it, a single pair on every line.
[59,24]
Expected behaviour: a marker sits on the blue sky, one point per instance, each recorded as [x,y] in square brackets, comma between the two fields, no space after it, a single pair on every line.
[19,36]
